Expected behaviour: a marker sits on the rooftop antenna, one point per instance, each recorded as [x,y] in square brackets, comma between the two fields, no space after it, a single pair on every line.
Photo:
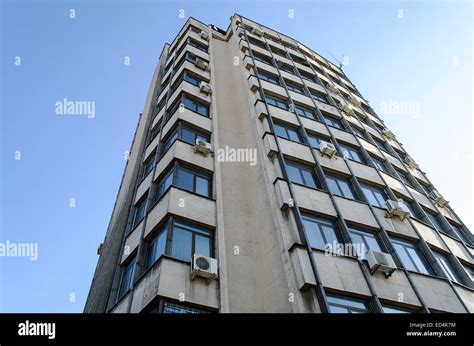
[340,62]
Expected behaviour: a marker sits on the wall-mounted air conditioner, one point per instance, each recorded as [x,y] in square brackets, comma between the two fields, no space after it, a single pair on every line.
[354,100]
[204,266]
[332,87]
[380,262]
[389,134]
[397,208]
[438,198]
[411,163]
[204,35]
[202,147]
[205,88]
[327,148]
[201,64]
[257,31]
[346,109]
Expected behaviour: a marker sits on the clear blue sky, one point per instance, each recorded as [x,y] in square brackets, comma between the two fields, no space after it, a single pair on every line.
[424,57]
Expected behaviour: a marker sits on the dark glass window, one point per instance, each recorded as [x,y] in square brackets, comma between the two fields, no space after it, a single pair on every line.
[170,140]
[434,220]
[318,96]
[185,240]
[276,102]
[268,77]
[294,87]
[404,177]
[375,195]
[196,106]
[262,58]
[286,68]
[164,183]
[357,131]
[333,121]
[380,144]
[351,153]
[257,43]
[460,232]
[394,310]
[301,174]
[379,164]
[448,269]
[197,44]
[191,78]
[321,233]
[366,241]
[314,140]
[190,180]
[156,247]
[149,164]
[127,277]
[308,76]
[190,135]
[412,258]
[305,112]
[173,308]
[340,186]
[140,211]
[287,133]
[278,51]
[188,240]
[343,305]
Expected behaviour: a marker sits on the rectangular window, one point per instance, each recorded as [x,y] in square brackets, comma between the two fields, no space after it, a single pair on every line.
[301,174]
[308,76]
[192,181]
[127,277]
[358,132]
[286,68]
[380,165]
[187,240]
[287,133]
[184,239]
[277,102]
[268,77]
[340,186]
[380,144]
[197,44]
[364,241]
[321,233]
[351,153]
[412,209]
[448,269]
[196,106]
[434,221]
[156,247]
[140,211]
[343,305]
[460,232]
[294,87]
[149,164]
[169,140]
[305,112]
[412,258]
[262,58]
[257,43]
[387,309]
[374,195]
[314,140]
[190,135]
[318,96]
[192,78]
[278,51]
[164,184]
[173,308]
[333,122]
[404,178]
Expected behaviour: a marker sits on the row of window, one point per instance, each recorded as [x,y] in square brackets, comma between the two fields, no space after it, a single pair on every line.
[175,238]
[322,234]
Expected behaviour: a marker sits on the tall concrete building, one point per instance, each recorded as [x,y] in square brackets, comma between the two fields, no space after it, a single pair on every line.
[260,180]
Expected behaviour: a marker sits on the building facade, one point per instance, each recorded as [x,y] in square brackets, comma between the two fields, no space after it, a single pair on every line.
[260,180]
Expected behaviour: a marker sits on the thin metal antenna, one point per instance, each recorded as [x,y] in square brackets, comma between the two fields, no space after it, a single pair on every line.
[339,62]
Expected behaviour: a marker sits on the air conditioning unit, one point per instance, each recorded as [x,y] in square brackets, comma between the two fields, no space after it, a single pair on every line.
[389,134]
[411,163]
[327,148]
[201,64]
[380,262]
[205,88]
[204,35]
[397,208]
[202,147]
[332,87]
[438,198]
[204,266]
[257,31]
[354,100]
[346,109]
